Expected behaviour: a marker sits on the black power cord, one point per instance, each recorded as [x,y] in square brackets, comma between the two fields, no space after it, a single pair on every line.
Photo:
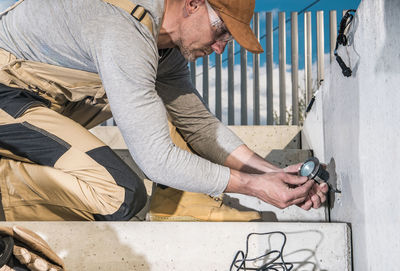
[277,263]
[342,40]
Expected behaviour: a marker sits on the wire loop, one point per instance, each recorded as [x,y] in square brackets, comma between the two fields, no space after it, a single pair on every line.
[277,263]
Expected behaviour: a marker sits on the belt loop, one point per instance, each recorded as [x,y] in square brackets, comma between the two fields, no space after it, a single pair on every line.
[144,14]
[134,10]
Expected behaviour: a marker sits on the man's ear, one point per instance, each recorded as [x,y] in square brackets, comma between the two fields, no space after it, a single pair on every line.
[192,6]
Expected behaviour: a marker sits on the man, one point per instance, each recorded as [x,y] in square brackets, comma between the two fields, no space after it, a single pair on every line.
[65,63]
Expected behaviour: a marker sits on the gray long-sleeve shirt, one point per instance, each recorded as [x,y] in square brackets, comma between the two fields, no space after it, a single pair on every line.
[142,83]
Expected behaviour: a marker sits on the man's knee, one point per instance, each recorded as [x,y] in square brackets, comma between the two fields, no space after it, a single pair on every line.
[135,195]
[133,202]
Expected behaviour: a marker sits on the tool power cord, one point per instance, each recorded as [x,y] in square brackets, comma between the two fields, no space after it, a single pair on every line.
[342,40]
[275,261]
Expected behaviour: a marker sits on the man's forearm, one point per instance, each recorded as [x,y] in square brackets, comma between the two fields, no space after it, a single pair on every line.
[239,182]
[245,160]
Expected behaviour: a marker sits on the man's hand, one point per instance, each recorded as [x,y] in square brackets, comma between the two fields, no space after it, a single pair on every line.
[252,175]
[281,189]
[317,194]
[277,188]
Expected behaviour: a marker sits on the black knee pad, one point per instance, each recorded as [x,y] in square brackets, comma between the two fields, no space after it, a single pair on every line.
[135,191]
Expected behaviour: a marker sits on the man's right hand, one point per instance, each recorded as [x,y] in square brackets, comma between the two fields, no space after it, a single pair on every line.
[281,189]
[277,188]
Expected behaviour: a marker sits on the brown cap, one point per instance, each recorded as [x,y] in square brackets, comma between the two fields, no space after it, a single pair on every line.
[237,15]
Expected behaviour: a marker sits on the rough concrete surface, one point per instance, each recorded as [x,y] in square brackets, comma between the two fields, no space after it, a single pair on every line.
[161,246]
[270,213]
[261,139]
[280,158]
[360,117]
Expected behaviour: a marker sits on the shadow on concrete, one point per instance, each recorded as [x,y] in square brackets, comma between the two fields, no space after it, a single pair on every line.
[288,157]
[303,259]
[295,143]
[331,168]
[310,260]
[235,203]
[291,154]
[101,249]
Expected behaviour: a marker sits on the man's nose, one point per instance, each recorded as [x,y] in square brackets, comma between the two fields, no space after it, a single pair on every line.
[219,46]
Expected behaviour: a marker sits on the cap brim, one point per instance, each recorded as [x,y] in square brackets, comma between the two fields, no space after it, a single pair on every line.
[242,33]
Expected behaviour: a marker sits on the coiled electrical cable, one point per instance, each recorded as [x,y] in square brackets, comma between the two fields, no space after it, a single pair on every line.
[276,263]
[343,40]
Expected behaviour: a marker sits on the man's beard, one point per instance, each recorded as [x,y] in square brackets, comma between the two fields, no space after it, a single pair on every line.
[189,54]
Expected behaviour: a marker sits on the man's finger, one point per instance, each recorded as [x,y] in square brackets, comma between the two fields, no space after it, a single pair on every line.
[293,169]
[322,196]
[296,180]
[324,187]
[320,190]
[300,192]
[316,200]
[305,205]
[297,201]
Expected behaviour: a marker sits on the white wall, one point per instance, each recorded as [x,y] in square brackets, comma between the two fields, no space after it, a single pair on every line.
[361,132]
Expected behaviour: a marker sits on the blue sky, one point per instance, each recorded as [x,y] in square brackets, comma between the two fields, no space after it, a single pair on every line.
[296,5]
[288,6]
[5,3]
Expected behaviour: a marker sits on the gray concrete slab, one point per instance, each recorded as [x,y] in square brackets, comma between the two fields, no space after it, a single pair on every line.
[284,158]
[270,213]
[261,139]
[144,246]
[280,158]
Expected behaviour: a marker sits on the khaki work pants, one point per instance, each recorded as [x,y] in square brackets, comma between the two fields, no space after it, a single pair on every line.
[52,168]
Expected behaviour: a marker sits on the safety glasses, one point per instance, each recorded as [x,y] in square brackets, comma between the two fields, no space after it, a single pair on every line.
[221,31]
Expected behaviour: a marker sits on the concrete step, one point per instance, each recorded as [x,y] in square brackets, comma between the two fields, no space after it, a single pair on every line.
[261,139]
[282,158]
[264,139]
[269,213]
[181,246]
[286,157]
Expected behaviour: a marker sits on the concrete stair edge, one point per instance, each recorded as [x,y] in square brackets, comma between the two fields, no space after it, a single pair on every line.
[143,246]
[256,137]
[279,157]
[243,202]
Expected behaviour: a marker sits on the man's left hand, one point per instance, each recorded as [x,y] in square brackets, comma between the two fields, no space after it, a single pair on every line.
[317,194]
